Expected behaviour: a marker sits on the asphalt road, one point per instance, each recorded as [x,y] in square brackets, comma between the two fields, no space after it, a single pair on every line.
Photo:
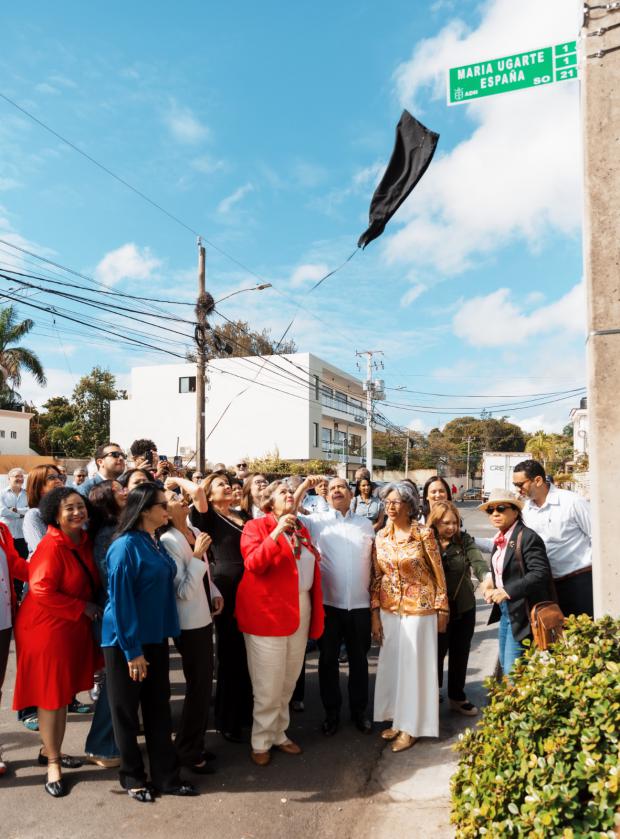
[333,789]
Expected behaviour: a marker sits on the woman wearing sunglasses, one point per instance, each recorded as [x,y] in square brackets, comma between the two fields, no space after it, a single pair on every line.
[140,616]
[520,575]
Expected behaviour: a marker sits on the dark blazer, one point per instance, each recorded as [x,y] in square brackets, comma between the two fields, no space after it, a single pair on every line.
[524,590]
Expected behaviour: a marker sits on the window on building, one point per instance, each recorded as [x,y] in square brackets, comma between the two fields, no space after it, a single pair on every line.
[187,384]
[13,435]
[315,434]
[340,442]
[1,433]
[355,445]
[340,400]
[327,396]
[317,393]
[326,439]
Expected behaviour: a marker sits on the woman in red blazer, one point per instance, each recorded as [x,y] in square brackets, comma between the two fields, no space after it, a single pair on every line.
[279,606]
[12,566]
[56,651]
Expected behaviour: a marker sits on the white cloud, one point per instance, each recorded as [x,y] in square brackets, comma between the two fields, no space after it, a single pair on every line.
[126,263]
[184,125]
[8,183]
[59,383]
[308,175]
[518,175]
[311,272]
[411,295]
[226,204]
[496,320]
[207,165]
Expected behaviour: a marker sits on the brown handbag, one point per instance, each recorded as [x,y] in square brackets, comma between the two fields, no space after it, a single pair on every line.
[546,617]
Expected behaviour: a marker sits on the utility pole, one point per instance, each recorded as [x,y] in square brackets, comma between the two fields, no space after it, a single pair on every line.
[374,390]
[601,130]
[204,306]
[407,457]
[468,453]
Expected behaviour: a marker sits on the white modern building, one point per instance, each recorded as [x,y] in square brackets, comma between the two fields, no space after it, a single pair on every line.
[15,433]
[579,419]
[298,405]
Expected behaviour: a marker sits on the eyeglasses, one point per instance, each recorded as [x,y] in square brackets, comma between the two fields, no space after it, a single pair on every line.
[392,503]
[162,504]
[115,455]
[500,509]
[53,476]
[242,466]
[518,485]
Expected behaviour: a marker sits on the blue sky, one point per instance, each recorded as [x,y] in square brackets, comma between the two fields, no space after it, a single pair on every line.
[265,127]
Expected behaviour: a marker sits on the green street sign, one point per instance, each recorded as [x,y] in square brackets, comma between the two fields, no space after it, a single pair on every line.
[512,72]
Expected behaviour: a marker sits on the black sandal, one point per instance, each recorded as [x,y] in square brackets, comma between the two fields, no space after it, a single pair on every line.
[57,789]
[66,761]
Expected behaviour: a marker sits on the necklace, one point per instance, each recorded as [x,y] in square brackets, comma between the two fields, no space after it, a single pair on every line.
[229,521]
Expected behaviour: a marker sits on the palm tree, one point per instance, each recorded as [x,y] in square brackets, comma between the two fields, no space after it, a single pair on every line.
[15,359]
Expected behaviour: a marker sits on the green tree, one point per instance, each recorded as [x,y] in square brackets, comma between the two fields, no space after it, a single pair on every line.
[14,358]
[57,413]
[91,400]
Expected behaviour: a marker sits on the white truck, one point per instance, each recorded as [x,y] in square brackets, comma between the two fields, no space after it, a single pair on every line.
[497,470]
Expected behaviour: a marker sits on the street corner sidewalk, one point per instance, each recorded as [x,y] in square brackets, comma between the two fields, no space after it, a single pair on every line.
[417,781]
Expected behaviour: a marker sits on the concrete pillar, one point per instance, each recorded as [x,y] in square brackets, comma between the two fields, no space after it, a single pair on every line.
[601,236]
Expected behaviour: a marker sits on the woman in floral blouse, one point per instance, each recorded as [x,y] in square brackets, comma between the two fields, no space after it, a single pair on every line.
[409,606]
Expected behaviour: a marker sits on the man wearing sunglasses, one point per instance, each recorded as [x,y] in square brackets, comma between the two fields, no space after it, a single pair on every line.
[241,470]
[562,520]
[110,460]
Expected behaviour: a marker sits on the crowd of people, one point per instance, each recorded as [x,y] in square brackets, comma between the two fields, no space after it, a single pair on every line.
[98,574]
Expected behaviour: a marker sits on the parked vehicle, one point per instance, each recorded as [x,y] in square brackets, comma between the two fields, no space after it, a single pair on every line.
[471,494]
[497,470]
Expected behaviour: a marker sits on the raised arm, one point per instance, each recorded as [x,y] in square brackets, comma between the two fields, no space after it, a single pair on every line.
[195,491]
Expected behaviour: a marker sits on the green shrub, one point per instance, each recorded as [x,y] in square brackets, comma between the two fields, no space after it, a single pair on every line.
[544,761]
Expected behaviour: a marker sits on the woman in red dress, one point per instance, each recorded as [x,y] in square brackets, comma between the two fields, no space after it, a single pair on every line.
[56,652]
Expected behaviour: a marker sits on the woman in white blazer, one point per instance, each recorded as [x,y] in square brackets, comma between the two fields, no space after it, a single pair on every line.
[198,599]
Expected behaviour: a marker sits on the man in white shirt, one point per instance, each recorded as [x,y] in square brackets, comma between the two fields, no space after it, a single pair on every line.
[346,544]
[13,508]
[562,519]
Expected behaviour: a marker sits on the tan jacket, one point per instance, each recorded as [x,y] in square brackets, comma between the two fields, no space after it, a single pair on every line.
[408,577]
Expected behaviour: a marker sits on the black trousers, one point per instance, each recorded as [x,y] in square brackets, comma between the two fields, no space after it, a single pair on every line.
[456,642]
[233,692]
[575,595]
[352,627]
[5,642]
[153,696]
[22,549]
[196,649]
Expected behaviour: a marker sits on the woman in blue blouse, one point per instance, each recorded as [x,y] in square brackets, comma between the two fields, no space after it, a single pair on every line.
[139,617]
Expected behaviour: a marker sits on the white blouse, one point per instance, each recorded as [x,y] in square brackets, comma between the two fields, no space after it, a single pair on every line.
[305,567]
[192,602]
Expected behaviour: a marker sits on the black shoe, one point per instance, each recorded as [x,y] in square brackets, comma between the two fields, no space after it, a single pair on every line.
[209,755]
[329,727]
[143,794]
[57,789]
[66,761]
[182,789]
[362,723]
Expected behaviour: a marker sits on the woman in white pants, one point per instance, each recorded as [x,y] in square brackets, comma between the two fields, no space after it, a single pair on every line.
[279,606]
[409,605]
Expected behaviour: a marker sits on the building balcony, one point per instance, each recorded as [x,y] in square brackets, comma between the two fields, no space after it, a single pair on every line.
[341,453]
[341,410]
